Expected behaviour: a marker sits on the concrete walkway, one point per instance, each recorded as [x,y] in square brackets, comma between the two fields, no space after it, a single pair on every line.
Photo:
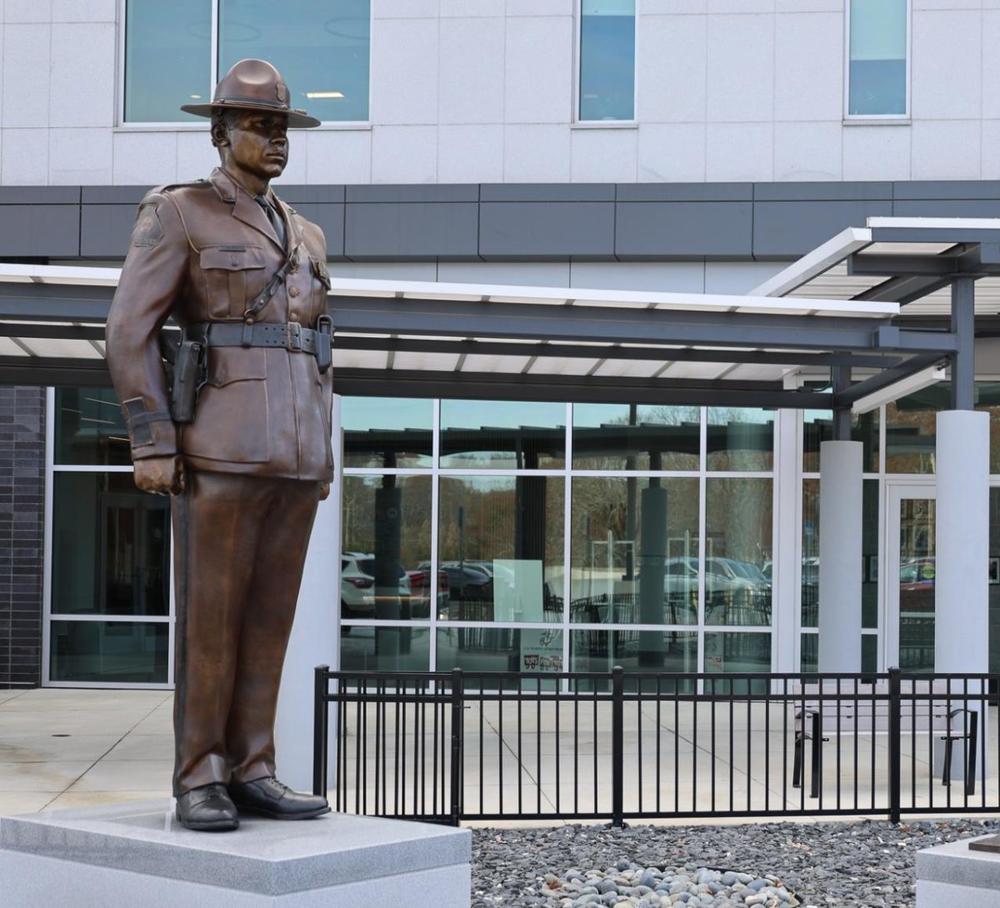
[73,748]
[76,748]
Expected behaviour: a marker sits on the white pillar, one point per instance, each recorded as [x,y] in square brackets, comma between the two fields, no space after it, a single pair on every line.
[787,533]
[961,610]
[840,556]
[314,640]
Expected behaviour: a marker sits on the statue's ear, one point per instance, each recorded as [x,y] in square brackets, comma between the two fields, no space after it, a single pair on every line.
[220,134]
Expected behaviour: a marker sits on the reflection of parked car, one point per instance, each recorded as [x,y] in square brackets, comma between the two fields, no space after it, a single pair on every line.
[357,586]
[467,583]
[420,590]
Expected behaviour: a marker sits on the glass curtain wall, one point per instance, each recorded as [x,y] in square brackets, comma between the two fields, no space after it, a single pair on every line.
[109,586]
[548,537]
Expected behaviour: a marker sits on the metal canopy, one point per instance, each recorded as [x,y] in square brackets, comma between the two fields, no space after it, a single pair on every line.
[417,339]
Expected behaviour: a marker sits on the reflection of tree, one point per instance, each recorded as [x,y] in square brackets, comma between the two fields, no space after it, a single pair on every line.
[359,516]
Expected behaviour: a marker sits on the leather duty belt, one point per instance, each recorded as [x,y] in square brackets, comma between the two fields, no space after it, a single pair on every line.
[289,336]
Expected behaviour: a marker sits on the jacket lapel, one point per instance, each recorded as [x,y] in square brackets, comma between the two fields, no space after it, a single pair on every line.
[294,234]
[245,208]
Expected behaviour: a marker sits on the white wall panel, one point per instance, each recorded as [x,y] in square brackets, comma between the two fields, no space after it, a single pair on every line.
[947,74]
[539,69]
[740,151]
[738,277]
[740,68]
[82,75]
[809,54]
[472,8]
[672,152]
[991,62]
[471,65]
[670,67]
[405,9]
[335,155]
[28,10]
[604,155]
[470,154]
[196,156]
[946,150]
[24,157]
[398,271]
[82,10]
[876,153]
[145,158]
[404,71]
[80,156]
[26,63]
[665,277]
[538,274]
[404,154]
[991,150]
[808,151]
[536,153]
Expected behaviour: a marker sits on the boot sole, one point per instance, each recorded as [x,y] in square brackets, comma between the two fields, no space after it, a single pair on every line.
[216,826]
[275,815]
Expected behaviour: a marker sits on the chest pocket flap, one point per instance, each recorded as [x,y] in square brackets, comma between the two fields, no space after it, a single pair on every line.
[232,258]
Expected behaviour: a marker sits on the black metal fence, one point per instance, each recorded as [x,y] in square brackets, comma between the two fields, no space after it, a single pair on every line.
[452,746]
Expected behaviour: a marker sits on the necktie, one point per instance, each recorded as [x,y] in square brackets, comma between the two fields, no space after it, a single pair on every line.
[274,218]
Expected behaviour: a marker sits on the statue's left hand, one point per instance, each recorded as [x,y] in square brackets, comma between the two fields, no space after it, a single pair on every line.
[324,491]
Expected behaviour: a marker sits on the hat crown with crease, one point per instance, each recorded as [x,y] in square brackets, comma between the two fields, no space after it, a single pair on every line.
[253,85]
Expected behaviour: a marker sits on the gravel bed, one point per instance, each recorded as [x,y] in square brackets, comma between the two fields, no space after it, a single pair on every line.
[814,865]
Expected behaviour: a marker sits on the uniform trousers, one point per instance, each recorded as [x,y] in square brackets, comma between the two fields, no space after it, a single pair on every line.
[240,548]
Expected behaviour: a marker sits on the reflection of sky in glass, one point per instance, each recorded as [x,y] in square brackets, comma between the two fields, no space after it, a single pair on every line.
[607,60]
[498,414]
[878,57]
[593,416]
[167,59]
[322,49]
[359,414]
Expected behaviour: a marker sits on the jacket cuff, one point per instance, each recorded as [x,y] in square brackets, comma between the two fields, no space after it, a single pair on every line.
[152,432]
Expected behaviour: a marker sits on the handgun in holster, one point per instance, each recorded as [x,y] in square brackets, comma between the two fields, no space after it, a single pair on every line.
[185,367]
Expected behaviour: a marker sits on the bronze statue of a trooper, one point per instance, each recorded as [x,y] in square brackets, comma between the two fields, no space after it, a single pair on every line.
[245,278]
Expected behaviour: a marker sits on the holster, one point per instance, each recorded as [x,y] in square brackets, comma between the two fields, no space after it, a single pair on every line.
[185,366]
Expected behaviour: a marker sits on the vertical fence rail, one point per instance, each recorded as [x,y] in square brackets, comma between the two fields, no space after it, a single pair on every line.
[553,745]
[618,746]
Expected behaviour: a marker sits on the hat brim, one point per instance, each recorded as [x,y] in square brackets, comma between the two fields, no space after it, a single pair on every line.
[297,119]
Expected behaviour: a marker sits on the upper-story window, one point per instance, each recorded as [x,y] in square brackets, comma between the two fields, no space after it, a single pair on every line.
[175,53]
[879,39]
[607,60]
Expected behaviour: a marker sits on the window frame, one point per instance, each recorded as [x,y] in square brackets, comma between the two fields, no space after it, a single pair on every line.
[877,119]
[123,125]
[576,121]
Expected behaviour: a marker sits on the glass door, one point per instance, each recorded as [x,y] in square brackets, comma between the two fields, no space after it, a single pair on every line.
[911,573]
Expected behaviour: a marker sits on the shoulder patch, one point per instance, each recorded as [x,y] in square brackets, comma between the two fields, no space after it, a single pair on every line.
[148,230]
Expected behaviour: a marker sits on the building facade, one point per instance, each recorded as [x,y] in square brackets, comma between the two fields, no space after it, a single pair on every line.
[696,146]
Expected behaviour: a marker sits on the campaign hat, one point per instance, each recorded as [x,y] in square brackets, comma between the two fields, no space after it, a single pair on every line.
[253,85]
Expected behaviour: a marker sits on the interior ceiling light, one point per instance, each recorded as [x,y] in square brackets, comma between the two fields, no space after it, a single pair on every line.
[314,95]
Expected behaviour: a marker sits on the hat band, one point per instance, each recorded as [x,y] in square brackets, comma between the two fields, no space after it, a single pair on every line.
[256,101]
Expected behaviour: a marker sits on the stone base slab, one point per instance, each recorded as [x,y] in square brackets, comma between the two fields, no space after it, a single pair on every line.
[954,874]
[138,855]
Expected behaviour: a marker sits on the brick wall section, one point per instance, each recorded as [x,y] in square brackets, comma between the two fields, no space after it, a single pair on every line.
[22,523]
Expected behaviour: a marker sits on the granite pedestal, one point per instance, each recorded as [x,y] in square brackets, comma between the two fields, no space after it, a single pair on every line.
[954,874]
[137,855]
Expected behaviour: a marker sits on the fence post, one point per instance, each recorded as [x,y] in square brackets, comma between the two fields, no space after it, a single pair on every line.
[321,716]
[457,741]
[617,746]
[895,759]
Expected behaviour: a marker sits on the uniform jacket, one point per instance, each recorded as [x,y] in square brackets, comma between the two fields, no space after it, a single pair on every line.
[200,252]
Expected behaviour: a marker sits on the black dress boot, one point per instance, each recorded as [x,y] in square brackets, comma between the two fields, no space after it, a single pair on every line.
[207,809]
[271,798]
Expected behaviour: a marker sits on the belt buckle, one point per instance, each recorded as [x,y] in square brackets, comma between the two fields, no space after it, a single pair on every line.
[294,336]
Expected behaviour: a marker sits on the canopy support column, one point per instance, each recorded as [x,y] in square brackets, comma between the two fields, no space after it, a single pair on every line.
[840,522]
[961,627]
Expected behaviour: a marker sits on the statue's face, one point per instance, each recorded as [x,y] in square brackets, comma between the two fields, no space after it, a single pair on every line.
[258,144]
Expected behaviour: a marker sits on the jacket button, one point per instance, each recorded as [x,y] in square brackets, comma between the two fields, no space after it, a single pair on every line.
[293,317]
[293,291]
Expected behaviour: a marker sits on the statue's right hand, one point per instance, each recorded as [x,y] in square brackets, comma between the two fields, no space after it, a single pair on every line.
[161,475]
